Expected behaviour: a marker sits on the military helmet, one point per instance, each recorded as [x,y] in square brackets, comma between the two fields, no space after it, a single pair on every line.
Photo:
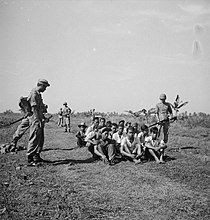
[65,103]
[43,82]
[163,97]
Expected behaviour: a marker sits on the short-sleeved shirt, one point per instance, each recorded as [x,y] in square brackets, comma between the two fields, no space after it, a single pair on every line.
[130,145]
[35,99]
[163,110]
[66,112]
[118,138]
[89,129]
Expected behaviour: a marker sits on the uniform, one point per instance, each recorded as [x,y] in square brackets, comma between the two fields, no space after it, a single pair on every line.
[60,118]
[163,110]
[66,117]
[36,137]
[36,121]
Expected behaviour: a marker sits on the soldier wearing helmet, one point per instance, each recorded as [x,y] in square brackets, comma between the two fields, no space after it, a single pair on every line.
[163,113]
[66,117]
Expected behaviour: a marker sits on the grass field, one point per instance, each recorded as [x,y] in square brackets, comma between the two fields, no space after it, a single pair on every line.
[75,187]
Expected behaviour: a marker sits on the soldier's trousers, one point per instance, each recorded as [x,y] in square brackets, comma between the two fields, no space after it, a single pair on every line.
[21,129]
[165,127]
[107,150]
[66,121]
[36,137]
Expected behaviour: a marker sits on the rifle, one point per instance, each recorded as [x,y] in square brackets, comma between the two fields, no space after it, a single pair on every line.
[162,121]
[20,119]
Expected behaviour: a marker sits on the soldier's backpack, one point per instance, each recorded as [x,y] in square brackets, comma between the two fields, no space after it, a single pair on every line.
[24,105]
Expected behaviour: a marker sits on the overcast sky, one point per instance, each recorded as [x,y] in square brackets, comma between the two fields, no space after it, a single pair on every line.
[111,55]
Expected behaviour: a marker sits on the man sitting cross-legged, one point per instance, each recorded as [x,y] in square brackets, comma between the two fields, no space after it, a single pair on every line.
[118,137]
[105,148]
[154,146]
[131,147]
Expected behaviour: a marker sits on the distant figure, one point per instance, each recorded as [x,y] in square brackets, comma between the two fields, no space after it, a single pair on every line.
[37,119]
[163,114]
[66,117]
[81,135]
[154,146]
[60,118]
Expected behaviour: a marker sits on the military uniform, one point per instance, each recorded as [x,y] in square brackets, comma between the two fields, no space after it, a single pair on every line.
[163,110]
[60,118]
[66,117]
[36,137]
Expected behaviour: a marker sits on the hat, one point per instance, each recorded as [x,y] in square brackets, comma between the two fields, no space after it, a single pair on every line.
[82,124]
[162,97]
[65,103]
[43,82]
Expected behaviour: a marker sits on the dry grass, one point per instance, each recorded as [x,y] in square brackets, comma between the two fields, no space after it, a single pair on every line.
[75,187]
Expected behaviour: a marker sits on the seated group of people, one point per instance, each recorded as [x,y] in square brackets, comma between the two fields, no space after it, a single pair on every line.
[110,141]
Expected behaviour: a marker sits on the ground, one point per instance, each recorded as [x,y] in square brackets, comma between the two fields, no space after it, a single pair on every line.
[72,186]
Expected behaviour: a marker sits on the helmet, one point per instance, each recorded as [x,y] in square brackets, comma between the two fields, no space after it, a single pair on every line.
[65,103]
[163,97]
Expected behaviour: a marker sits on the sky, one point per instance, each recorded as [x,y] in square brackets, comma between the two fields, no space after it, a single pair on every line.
[111,55]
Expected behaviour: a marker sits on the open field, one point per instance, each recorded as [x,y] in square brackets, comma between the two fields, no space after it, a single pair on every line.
[72,186]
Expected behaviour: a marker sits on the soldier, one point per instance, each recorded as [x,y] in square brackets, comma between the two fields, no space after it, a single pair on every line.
[37,119]
[25,123]
[66,117]
[60,118]
[163,113]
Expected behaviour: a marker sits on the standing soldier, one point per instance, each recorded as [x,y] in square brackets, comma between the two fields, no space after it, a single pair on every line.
[66,117]
[37,119]
[60,118]
[163,113]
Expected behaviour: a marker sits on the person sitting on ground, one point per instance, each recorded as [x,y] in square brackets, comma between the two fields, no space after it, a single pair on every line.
[113,130]
[105,148]
[130,147]
[154,146]
[127,124]
[118,137]
[92,135]
[93,126]
[109,125]
[136,131]
[122,122]
[102,123]
[80,135]
[141,136]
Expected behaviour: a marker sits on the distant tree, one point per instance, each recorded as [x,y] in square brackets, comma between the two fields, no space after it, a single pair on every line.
[9,111]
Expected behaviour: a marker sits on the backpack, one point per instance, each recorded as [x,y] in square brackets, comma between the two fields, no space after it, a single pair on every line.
[24,105]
